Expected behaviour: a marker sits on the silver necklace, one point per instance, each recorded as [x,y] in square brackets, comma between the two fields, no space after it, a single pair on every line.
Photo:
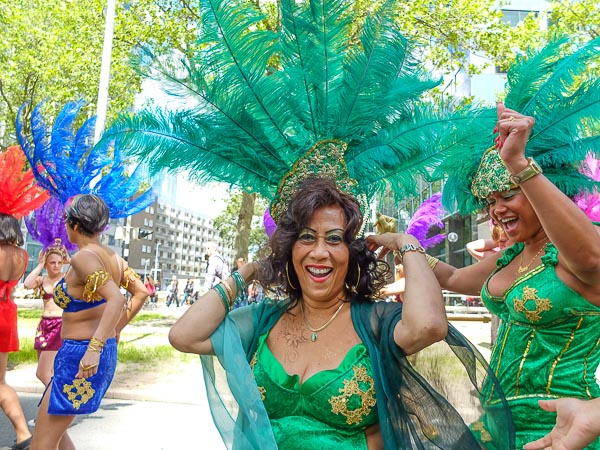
[313,336]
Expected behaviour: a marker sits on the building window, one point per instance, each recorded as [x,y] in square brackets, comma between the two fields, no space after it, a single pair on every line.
[515,17]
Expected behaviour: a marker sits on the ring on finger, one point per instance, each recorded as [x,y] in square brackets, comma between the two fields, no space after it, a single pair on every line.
[511,118]
[91,366]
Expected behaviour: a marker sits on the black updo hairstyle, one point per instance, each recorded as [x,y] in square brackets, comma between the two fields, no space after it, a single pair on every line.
[88,211]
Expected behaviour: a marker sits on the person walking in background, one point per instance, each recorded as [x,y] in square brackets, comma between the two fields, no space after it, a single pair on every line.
[47,336]
[18,197]
[173,292]
[94,313]
[188,290]
[150,287]
[216,269]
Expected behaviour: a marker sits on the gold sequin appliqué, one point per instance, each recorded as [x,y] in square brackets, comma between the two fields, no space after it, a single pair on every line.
[339,403]
[261,390]
[541,304]
[483,433]
[61,299]
[93,281]
[79,392]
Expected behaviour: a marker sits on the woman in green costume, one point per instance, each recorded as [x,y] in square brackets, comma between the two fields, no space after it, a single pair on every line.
[545,287]
[326,368]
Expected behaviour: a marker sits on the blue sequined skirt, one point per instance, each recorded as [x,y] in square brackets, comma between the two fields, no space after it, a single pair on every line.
[69,395]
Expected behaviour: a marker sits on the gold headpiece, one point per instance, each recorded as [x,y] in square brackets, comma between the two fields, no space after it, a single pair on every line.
[58,248]
[324,159]
[491,176]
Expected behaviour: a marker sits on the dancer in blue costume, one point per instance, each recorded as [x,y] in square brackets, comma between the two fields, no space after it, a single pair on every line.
[90,183]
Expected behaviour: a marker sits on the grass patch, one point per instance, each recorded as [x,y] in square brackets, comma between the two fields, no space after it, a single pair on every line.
[29,313]
[25,355]
[129,353]
[144,316]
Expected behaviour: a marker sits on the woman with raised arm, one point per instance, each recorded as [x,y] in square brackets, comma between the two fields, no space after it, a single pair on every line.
[326,366]
[93,314]
[545,288]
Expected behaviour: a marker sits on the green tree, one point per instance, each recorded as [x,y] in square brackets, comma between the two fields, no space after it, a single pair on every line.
[250,239]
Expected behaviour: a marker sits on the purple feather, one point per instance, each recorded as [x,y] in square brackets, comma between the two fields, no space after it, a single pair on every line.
[270,225]
[429,214]
[589,203]
[46,224]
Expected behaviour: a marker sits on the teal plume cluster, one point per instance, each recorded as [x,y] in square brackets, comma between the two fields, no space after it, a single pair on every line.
[257,100]
[558,85]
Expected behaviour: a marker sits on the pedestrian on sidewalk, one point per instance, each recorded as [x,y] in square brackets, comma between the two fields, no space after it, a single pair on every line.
[18,196]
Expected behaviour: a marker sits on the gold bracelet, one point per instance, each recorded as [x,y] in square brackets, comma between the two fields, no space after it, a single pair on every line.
[432,261]
[95,345]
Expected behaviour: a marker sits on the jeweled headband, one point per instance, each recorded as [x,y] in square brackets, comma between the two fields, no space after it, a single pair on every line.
[491,176]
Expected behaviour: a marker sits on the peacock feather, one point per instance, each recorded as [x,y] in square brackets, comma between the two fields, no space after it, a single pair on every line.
[257,101]
[556,86]
[66,163]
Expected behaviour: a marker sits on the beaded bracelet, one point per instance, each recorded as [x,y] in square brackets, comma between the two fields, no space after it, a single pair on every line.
[432,261]
[224,298]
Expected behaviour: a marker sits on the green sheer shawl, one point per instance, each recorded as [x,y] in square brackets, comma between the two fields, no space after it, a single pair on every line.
[412,411]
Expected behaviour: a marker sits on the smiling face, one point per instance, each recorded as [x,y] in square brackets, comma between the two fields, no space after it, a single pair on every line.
[514,213]
[320,256]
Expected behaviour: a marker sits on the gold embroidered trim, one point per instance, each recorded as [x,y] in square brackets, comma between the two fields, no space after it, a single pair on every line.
[61,299]
[129,275]
[500,350]
[80,392]
[523,359]
[262,391]
[92,282]
[483,433]
[339,403]
[253,362]
[585,368]
[541,304]
[562,352]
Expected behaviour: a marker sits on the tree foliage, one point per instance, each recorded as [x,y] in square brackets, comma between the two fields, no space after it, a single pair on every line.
[227,224]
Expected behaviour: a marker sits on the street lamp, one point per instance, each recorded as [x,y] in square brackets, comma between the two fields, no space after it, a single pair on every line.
[156,263]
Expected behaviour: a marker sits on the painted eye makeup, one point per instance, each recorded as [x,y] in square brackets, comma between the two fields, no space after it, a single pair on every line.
[309,236]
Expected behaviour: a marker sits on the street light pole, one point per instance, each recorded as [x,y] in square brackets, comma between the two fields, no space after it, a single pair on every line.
[156,263]
[105,70]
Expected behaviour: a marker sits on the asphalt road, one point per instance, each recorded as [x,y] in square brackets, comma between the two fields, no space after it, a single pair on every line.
[127,424]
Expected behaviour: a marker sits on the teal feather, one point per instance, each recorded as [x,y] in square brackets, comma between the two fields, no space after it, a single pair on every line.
[259,100]
[556,87]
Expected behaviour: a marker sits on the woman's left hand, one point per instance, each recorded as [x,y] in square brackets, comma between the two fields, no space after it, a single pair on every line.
[88,366]
[513,133]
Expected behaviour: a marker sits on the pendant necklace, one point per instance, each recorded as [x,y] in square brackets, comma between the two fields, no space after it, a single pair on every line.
[313,336]
[523,269]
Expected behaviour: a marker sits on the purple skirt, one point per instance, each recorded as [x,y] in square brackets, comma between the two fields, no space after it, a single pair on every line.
[47,336]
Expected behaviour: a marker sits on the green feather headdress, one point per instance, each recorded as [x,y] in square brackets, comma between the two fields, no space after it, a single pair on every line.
[260,101]
[557,87]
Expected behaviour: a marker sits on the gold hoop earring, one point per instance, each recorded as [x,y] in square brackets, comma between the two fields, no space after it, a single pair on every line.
[288,277]
[354,289]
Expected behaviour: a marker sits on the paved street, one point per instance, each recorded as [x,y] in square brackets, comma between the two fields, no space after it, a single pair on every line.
[128,424]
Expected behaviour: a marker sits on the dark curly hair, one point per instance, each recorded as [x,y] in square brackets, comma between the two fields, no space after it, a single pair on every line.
[315,193]
[89,211]
[10,231]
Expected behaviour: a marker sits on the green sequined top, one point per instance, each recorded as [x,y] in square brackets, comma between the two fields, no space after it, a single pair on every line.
[547,344]
[329,410]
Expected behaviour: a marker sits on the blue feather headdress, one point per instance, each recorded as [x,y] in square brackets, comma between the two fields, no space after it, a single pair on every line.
[266,108]
[558,88]
[66,163]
